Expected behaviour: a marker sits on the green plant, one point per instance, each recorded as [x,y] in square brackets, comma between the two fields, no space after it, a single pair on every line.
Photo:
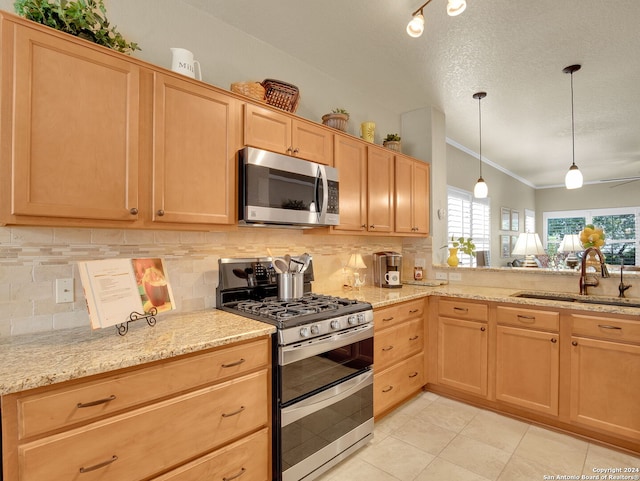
[83,18]
[392,138]
[340,111]
[465,245]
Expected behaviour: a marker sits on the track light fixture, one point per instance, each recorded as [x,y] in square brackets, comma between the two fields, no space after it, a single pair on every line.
[415,28]
[481,190]
[573,179]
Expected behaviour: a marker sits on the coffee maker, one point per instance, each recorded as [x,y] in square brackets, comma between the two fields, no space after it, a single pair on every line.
[387,269]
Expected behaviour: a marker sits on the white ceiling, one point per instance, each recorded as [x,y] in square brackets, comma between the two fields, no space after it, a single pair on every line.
[514,50]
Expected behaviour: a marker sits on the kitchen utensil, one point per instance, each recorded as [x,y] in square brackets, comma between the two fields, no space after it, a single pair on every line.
[287,259]
[290,285]
[296,265]
[280,266]
[305,259]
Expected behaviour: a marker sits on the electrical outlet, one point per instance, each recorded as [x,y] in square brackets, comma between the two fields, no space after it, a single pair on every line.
[64,290]
[455,276]
[441,276]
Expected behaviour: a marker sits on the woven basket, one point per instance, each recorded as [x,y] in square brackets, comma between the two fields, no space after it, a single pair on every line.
[253,90]
[281,95]
[336,121]
[393,145]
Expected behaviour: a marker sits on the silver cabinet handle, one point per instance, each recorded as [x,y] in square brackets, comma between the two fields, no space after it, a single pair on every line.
[414,374]
[387,389]
[99,465]
[462,309]
[225,415]
[414,338]
[236,363]
[96,402]
[606,326]
[387,319]
[413,311]
[235,476]
[388,348]
[526,318]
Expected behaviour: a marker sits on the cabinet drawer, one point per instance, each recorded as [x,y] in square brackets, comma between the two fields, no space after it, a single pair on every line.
[245,460]
[398,342]
[394,385]
[605,328]
[463,310]
[515,316]
[393,315]
[139,443]
[64,406]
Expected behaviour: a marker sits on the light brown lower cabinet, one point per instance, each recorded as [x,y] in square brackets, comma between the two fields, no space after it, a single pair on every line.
[141,432]
[397,384]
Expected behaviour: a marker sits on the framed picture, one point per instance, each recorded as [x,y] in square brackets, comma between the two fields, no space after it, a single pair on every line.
[505,218]
[505,246]
[515,220]
[514,239]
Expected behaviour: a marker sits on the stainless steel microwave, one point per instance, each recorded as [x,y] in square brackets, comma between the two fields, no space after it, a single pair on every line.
[281,190]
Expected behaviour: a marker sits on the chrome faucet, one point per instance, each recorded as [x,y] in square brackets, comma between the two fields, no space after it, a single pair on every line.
[622,286]
[593,281]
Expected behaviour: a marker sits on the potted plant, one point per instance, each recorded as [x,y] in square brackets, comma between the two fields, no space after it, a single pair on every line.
[83,18]
[392,141]
[463,244]
[337,119]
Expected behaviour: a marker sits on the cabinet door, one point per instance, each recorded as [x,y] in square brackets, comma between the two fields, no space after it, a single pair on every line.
[398,383]
[462,355]
[421,192]
[527,368]
[604,386]
[404,195]
[266,129]
[380,177]
[351,162]
[73,147]
[195,138]
[312,142]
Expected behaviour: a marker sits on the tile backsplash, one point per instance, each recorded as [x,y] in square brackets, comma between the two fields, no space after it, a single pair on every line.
[32,258]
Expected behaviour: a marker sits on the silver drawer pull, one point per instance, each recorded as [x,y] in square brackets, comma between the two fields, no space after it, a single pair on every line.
[413,311]
[526,318]
[462,309]
[97,402]
[236,363]
[235,476]
[413,374]
[225,415]
[606,326]
[388,348]
[387,319]
[387,389]
[414,338]
[99,465]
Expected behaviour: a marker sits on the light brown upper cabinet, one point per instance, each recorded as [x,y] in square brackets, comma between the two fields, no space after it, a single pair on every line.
[196,133]
[411,196]
[279,132]
[380,181]
[351,162]
[69,147]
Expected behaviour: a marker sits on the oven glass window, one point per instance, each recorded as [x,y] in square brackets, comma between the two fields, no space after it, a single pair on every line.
[313,432]
[303,377]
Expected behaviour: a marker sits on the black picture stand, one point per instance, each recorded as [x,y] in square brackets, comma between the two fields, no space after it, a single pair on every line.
[136,316]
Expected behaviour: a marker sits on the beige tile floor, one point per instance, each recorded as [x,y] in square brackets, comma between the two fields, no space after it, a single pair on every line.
[432,438]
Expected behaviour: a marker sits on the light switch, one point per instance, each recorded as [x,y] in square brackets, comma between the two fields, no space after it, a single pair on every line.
[64,290]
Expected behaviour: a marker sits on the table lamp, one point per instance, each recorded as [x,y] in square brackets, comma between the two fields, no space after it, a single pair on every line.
[356,263]
[571,244]
[529,246]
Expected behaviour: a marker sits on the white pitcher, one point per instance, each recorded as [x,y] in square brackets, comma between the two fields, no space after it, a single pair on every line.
[183,62]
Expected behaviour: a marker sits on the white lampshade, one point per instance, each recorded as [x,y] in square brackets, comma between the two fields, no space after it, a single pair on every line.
[356,262]
[416,26]
[480,191]
[573,179]
[456,7]
[570,243]
[528,245]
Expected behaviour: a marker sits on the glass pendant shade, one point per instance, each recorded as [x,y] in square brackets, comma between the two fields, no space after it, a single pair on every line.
[415,28]
[573,179]
[456,7]
[481,190]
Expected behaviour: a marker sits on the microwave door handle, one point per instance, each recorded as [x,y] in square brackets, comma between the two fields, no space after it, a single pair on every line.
[321,204]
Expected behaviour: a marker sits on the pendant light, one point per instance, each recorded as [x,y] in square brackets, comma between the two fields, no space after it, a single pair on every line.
[573,179]
[481,190]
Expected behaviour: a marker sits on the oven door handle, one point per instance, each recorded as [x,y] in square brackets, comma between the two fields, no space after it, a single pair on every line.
[325,398]
[296,352]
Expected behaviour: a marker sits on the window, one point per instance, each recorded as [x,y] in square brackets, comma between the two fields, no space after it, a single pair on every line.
[529,220]
[621,227]
[468,217]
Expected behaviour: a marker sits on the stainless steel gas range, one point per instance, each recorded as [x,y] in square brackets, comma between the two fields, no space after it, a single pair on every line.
[322,364]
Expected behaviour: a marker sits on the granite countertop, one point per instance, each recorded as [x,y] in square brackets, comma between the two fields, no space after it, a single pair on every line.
[35,360]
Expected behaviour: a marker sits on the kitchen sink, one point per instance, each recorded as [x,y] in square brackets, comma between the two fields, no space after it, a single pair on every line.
[602,301]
